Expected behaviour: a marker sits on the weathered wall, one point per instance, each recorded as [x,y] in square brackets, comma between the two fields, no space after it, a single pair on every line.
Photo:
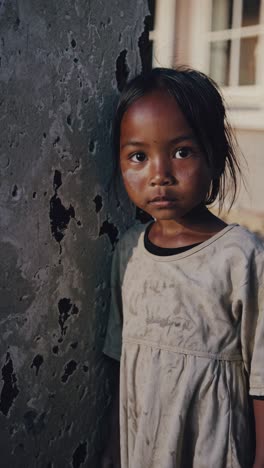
[61,64]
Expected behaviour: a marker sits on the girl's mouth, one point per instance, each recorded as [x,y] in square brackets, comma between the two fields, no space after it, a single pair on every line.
[163,202]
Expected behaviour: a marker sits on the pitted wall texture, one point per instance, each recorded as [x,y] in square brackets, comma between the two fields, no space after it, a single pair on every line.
[61,66]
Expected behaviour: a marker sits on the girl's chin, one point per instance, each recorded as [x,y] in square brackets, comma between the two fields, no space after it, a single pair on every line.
[164,215]
[176,213]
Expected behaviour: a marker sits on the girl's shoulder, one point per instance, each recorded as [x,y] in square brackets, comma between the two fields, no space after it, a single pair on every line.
[244,253]
[131,237]
[126,247]
[246,240]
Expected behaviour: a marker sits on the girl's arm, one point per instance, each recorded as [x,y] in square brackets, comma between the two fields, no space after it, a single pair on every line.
[111,453]
[258,406]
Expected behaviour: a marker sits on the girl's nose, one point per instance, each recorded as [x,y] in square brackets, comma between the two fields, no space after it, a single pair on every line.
[161,174]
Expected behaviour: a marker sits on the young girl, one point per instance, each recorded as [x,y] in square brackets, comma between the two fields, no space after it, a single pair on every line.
[187,290]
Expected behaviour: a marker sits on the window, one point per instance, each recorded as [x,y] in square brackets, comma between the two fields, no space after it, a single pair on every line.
[236,42]
[223,38]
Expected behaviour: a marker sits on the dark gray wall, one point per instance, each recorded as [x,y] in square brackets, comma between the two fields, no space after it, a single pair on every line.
[61,64]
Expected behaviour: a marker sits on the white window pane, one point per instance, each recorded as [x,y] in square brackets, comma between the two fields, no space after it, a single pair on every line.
[222,14]
[220,62]
[250,13]
[247,68]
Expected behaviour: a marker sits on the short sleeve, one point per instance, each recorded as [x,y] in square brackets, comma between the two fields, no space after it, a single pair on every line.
[113,340]
[252,330]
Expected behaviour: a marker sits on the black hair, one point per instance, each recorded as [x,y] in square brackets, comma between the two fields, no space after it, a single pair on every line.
[200,100]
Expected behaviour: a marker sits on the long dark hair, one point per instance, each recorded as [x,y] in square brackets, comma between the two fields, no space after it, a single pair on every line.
[201,102]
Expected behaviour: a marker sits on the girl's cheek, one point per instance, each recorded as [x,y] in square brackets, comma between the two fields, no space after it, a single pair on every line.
[193,171]
[186,173]
[131,178]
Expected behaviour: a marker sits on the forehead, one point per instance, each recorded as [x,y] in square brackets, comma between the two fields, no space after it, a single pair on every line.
[158,112]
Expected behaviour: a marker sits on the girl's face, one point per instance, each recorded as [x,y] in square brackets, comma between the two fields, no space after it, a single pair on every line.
[163,169]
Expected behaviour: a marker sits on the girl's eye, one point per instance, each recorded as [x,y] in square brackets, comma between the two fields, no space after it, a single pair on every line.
[183,153]
[138,157]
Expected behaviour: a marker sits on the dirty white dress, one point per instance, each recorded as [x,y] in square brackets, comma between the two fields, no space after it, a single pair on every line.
[192,332]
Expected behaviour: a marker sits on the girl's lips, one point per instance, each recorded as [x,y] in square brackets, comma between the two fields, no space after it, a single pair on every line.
[162,202]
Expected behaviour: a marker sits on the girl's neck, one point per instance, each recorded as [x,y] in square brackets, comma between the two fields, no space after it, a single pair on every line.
[196,227]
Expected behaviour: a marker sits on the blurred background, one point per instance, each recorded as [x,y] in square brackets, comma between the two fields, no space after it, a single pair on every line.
[224,39]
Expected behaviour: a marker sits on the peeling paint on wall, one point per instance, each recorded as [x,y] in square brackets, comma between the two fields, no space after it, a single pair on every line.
[122,70]
[98,203]
[59,215]
[69,369]
[111,230]
[9,389]
[79,455]
[37,362]
[66,309]
[63,65]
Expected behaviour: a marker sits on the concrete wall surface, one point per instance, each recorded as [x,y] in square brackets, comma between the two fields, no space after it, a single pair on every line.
[61,65]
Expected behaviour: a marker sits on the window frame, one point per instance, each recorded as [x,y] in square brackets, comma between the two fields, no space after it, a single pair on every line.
[238,32]
[245,103]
